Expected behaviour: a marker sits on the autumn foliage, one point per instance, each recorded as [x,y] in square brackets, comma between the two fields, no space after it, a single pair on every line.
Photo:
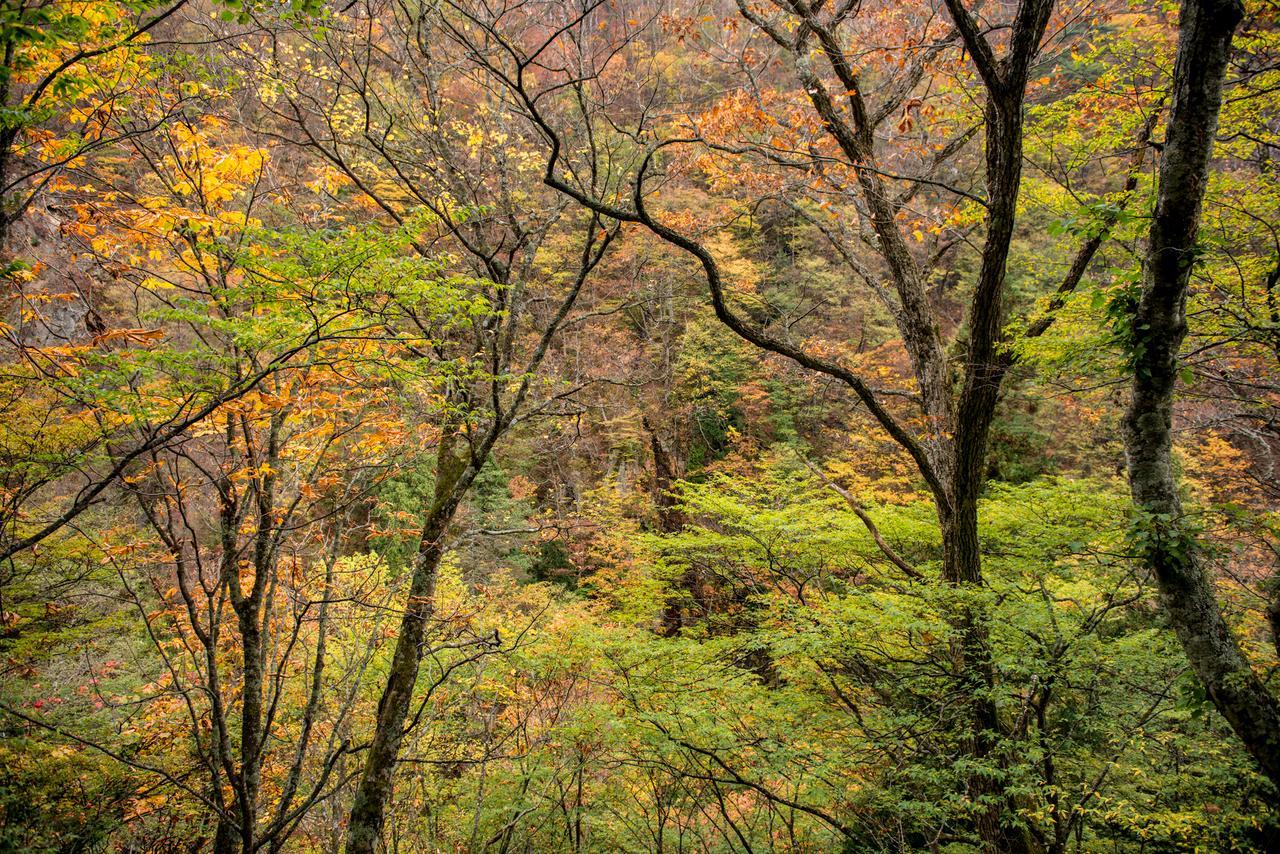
[639,425]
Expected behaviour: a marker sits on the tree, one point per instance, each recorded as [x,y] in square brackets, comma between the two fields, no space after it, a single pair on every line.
[950,451]
[255,495]
[362,122]
[1164,534]
[68,75]
[661,425]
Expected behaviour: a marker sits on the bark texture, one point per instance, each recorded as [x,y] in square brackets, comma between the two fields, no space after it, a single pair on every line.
[1159,326]
[368,813]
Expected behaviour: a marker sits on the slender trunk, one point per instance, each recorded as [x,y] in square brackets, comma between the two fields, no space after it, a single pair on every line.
[228,832]
[368,812]
[250,727]
[7,139]
[1159,326]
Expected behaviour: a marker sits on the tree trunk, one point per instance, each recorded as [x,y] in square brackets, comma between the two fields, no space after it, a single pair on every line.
[368,812]
[985,369]
[224,838]
[670,520]
[971,660]
[250,727]
[1159,326]
[670,517]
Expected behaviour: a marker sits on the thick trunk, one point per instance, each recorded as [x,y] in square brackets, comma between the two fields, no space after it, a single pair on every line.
[225,838]
[985,369]
[973,667]
[1159,326]
[985,365]
[670,520]
[670,517]
[1273,619]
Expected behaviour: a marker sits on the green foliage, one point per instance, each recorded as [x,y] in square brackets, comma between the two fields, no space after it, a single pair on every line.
[551,562]
[709,374]
[1087,676]
[53,798]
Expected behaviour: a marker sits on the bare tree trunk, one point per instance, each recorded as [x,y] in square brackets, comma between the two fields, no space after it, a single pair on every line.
[224,838]
[1159,326]
[369,810]
[670,517]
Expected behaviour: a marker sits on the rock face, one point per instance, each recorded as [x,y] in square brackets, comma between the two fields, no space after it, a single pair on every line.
[60,322]
[54,306]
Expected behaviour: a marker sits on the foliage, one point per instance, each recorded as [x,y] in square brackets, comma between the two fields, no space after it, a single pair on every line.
[269,303]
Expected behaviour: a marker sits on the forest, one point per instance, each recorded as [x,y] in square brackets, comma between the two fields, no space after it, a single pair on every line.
[639,426]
